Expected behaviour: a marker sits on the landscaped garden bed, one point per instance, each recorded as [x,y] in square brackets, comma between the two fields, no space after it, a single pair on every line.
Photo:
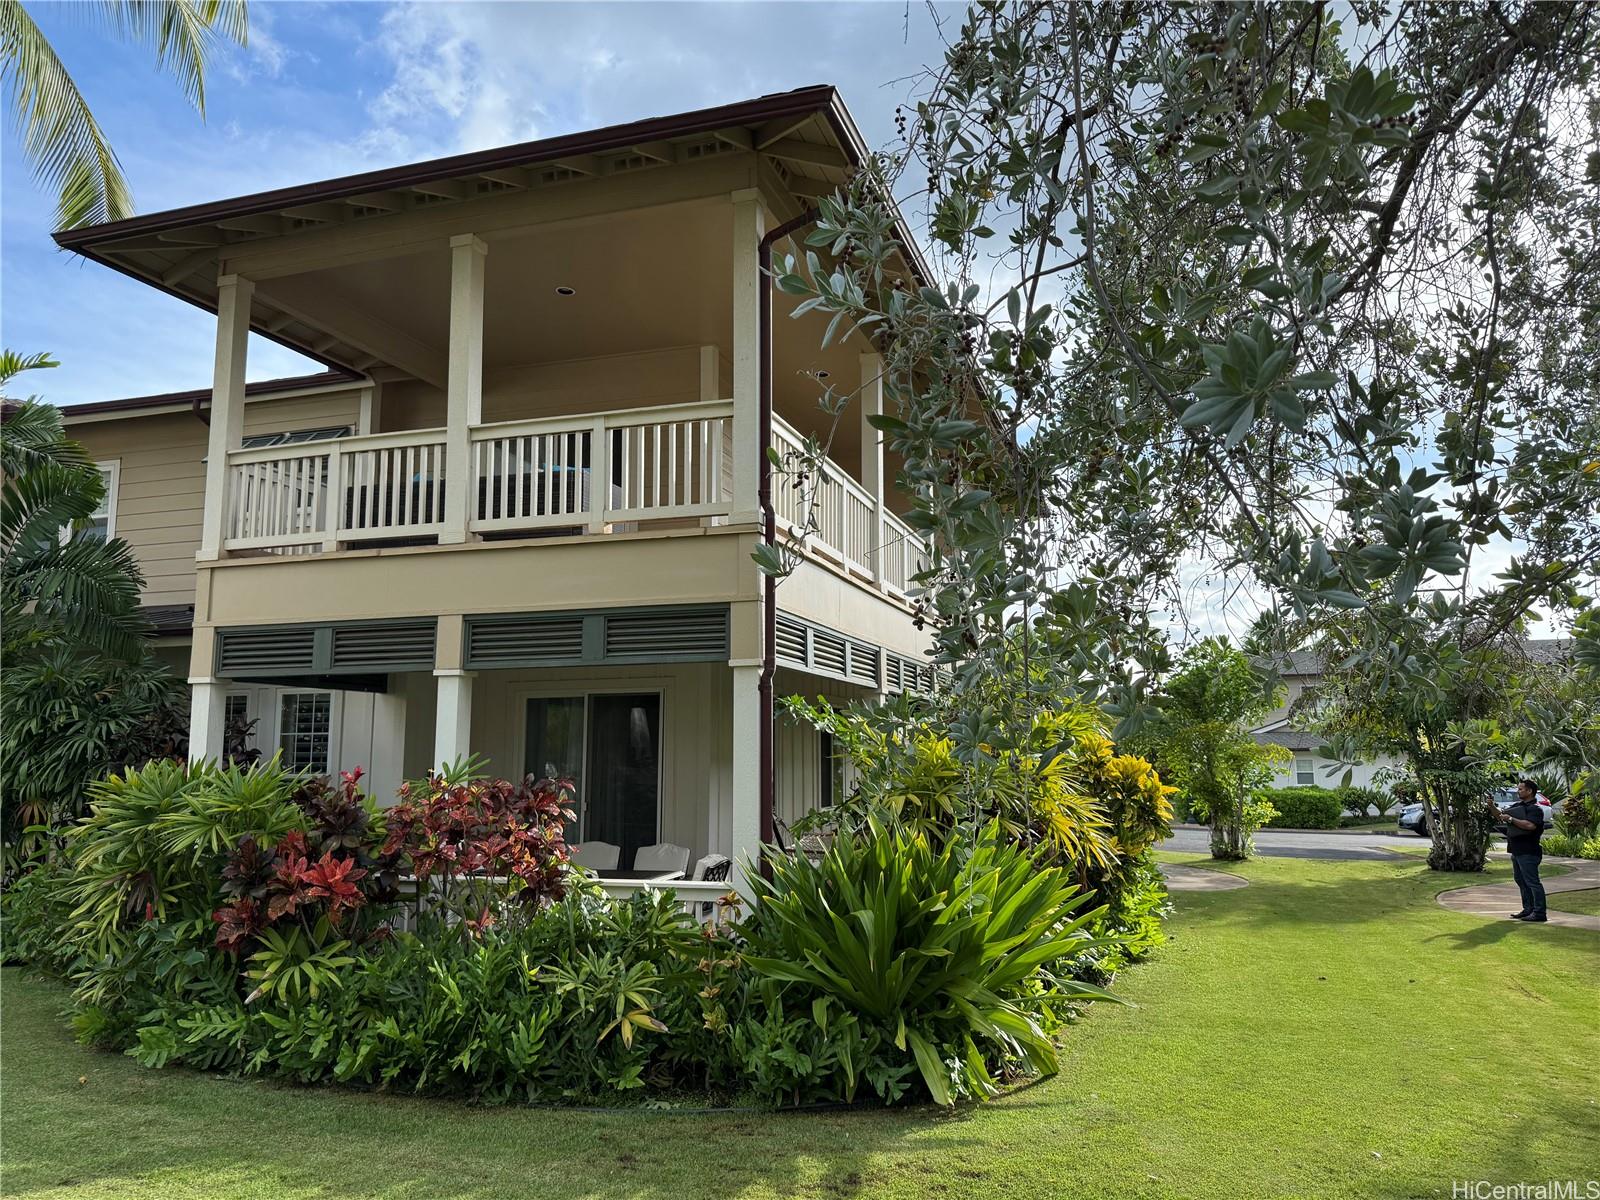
[245,920]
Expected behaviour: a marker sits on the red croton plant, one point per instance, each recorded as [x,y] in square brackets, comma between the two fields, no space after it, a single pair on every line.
[334,870]
[469,839]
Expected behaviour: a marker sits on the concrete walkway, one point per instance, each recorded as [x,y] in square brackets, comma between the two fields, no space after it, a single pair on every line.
[1502,899]
[1200,879]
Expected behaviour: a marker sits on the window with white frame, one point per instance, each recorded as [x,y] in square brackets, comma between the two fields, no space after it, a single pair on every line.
[101,524]
[1305,773]
[305,725]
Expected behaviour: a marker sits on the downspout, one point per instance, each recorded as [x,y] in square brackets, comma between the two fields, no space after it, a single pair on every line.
[769,519]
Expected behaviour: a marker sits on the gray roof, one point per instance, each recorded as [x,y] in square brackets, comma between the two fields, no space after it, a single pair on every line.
[1290,739]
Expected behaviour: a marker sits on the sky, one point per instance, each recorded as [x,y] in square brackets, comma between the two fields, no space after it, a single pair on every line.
[329,89]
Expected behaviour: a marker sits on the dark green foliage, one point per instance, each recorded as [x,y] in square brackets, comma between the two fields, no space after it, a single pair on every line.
[82,694]
[1362,802]
[936,948]
[1303,807]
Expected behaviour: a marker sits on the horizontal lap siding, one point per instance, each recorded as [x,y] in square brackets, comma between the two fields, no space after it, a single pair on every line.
[162,485]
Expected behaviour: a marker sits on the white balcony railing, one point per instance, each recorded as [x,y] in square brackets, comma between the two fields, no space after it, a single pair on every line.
[844,519]
[674,461]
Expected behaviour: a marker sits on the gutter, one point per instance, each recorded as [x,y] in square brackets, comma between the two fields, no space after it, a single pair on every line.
[769,519]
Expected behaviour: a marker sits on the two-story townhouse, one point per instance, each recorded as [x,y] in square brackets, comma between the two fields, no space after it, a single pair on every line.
[517,517]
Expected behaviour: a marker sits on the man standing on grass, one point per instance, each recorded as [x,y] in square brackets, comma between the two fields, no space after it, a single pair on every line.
[1524,822]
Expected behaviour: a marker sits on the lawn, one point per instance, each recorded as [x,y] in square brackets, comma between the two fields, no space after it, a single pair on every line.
[1585,901]
[1328,1031]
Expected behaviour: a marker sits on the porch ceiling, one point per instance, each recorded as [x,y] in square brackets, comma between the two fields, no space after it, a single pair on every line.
[805,140]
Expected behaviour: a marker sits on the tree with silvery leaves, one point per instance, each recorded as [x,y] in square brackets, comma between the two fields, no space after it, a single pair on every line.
[1297,296]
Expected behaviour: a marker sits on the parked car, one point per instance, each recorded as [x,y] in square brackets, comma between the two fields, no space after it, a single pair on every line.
[1414,817]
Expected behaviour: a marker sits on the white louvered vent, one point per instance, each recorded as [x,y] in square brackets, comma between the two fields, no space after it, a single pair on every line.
[392,646]
[669,634]
[252,651]
[522,641]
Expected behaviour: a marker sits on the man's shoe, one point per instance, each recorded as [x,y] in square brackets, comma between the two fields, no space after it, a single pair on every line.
[1521,916]
[1536,918]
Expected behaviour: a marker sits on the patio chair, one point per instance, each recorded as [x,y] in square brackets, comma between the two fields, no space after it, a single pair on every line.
[663,857]
[711,868]
[597,856]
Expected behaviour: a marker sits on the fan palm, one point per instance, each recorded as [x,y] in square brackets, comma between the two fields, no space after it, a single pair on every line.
[59,133]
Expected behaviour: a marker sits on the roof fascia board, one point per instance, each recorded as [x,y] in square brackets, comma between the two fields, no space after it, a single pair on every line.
[183,402]
[616,137]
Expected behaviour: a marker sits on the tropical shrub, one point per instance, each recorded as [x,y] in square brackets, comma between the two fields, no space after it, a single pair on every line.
[1569,845]
[1302,807]
[483,848]
[935,949]
[1203,742]
[1360,801]
[82,693]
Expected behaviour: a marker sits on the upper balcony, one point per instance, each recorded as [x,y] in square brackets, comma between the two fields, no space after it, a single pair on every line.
[558,342]
[665,466]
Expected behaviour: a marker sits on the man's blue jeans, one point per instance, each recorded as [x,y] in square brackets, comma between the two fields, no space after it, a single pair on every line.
[1525,867]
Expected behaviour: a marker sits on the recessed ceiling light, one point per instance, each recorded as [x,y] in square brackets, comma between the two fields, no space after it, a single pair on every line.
[564,290]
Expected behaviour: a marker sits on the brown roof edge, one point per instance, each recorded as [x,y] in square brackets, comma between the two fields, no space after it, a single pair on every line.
[764,108]
[288,383]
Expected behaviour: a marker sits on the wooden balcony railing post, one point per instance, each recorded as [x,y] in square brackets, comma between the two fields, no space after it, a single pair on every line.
[599,475]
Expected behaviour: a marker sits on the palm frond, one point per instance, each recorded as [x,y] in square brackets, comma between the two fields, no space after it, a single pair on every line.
[32,434]
[182,33]
[58,133]
[37,504]
[86,590]
[13,364]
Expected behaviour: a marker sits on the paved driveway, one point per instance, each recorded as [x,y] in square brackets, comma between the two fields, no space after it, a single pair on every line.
[1287,843]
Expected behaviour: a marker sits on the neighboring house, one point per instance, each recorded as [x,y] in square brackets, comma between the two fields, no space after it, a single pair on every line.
[1301,672]
[1309,762]
[516,518]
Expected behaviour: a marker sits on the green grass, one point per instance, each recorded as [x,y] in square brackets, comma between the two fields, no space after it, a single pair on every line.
[1329,1031]
[1585,901]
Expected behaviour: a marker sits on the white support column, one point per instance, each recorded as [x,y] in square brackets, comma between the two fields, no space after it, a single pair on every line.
[207,716]
[746,769]
[234,293]
[464,393]
[748,227]
[387,771]
[710,374]
[452,733]
[872,453]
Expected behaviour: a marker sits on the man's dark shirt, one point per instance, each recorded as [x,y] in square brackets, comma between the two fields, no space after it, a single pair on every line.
[1525,841]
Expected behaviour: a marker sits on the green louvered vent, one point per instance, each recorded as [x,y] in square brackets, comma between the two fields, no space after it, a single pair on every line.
[699,634]
[524,641]
[791,641]
[827,651]
[257,650]
[864,663]
[894,668]
[391,646]
[908,675]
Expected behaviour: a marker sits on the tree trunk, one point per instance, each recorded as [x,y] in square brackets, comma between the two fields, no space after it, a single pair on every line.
[1459,841]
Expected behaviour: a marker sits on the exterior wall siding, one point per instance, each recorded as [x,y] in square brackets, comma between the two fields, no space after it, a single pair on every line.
[162,480]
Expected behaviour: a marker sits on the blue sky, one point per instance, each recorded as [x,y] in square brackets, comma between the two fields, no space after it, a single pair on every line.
[327,89]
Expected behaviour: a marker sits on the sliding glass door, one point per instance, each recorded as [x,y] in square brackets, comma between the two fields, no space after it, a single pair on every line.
[610,745]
